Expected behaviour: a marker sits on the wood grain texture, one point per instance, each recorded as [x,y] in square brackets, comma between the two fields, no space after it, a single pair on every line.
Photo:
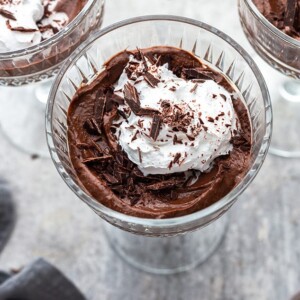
[259,258]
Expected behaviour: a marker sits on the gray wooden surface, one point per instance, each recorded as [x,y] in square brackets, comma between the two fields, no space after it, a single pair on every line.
[259,259]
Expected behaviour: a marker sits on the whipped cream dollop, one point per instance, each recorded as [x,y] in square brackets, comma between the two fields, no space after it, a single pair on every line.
[181,124]
[24,23]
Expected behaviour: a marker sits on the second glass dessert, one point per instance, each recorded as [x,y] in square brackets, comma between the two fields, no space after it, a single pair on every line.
[154,223]
[273,29]
[35,40]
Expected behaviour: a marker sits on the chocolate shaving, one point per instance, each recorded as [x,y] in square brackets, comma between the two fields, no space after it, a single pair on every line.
[135,135]
[43,28]
[176,140]
[194,88]
[151,80]
[180,163]
[22,29]
[151,58]
[134,199]
[241,142]
[165,104]
[96,159]
[83,146]
[7,14]
[117,99]
[176,116]
[210,119]
[191,138]
[119,158]
[98,147]
[122,114]
[223,96]
[155,127]
[132,98]
[177,157]
[91,126]
[117,188]
[140,154]
[140,123]
[197,73]
[142,56]
[110,178]
[158,60]
[8,24]
[112,100]
[147,112]
[165,184]
[198,80]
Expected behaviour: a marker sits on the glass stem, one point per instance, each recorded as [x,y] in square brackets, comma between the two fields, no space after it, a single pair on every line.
[42,91]
[286,109]
[22,117]
[169,254]
[290,90]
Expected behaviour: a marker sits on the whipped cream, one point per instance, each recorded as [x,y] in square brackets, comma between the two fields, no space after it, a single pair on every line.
[28,15]
[197,121]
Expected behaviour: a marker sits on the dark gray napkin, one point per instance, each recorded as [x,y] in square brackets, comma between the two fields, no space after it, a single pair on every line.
[7,213]
[39,281]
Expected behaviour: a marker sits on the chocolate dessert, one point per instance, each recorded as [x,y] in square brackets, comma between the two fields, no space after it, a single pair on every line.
[158,134]
[284,14]
[25,23]
[38,21]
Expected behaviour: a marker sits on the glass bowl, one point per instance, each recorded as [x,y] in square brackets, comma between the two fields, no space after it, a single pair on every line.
[216,49]
[22,107]
[282,53]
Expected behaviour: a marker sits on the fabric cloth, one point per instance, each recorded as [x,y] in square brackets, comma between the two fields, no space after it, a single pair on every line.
[7,214]
[38,281]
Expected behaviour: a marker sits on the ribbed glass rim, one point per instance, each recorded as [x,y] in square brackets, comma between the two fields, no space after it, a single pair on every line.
[168,222]
[52,40]
[262,19]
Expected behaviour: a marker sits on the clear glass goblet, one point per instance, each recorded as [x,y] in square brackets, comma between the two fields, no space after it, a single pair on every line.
[26,77]
[282,53]
[167,245]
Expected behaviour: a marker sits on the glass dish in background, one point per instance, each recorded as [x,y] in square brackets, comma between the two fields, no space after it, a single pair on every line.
[25,79]
[282,53]
[167,245]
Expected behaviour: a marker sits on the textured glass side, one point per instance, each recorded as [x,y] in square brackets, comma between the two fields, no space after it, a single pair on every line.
[204,43]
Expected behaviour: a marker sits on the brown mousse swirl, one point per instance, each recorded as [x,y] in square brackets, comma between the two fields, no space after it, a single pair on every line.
[104,169]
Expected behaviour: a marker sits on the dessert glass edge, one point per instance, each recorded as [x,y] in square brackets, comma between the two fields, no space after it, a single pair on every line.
[157,226]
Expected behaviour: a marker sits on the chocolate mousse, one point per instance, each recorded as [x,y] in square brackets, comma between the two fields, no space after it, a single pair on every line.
[24,23]
[284,14]
[39,21]
[158,134]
